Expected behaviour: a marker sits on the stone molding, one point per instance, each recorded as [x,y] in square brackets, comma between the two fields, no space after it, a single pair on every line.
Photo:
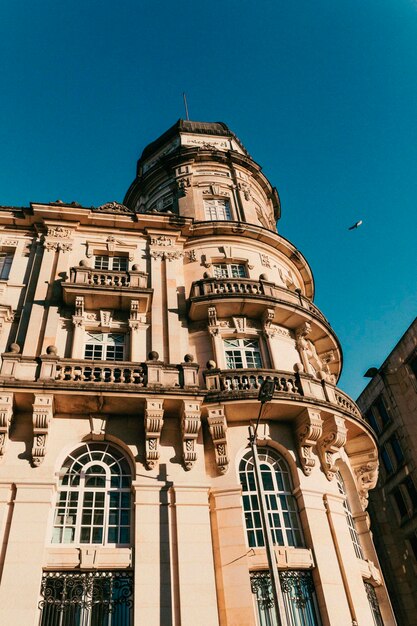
[217,422]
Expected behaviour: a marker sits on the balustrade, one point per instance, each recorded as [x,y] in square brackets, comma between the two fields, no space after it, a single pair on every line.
[84,372]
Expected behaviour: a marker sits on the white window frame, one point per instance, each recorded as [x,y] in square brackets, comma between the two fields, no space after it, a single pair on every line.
[230,270]
[284,521]
[349,517]
[106,262]
[242,353]
[107,344]
[217,210]
[110,523]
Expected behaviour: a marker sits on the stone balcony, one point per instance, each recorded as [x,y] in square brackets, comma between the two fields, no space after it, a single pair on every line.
[107,288]
[290,388]
[249,297]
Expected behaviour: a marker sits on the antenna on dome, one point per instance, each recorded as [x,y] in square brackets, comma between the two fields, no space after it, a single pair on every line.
[186,106]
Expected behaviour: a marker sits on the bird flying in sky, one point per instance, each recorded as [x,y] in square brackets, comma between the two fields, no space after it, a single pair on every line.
[356,225]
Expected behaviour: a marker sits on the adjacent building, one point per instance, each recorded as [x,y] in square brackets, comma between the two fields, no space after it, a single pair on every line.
[389,403]
[134,339]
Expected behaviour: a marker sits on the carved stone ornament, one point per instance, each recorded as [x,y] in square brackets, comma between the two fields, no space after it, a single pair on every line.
[6,412]
[112,207]
[168,256]
[308,431]
[154,420]
[53,245]
[333,438]
[366,477]
[218,429]
[268,327]
[184,184]
[162,240]
[58,232]
[98,427]
[191,255]
[190,427]
[265,260]
[41,417]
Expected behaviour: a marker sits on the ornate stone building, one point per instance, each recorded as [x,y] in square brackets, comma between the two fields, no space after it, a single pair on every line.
[135,338]
[389,404]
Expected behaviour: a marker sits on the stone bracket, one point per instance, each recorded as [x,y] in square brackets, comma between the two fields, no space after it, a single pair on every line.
[308,430]
[154,420]
[333,438]
[190,427]
[365,467]
[43,408]
[6,413]
[218,429]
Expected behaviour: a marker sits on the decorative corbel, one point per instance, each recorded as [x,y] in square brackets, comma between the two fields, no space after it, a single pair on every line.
[218,429]
[41,417]
[267,319]
[309,428]
[154,420]
[332,439]
[6,412]
[190,427]
[365,467]
[213,324]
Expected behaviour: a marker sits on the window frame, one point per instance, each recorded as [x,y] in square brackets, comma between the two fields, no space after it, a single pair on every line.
[229,265]
[100,262]
[213,212]
[6,262]
[350,520]
[70,524]
[242,352]
[285,523]
[106,346]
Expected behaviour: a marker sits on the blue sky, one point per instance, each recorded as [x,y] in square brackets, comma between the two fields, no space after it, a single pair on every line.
[323,94]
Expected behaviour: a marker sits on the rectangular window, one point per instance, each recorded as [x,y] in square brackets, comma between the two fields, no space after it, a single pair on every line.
[400,502]
[242,353]
[381,412]
[116,263]
[229,270]
[411,492]
[413,366]
[386,461]
[104,347]
[6,259]
[300,602]
[397,450]
[99,598]
[217,210]
[371,419]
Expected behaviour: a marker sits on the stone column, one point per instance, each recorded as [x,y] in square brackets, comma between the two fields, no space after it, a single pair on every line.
[22,572]
[196,582]
[234,593]
[154,582]
[158,306]
[348,561]
[333,604]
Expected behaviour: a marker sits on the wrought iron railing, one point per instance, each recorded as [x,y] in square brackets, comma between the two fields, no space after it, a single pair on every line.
[81,598]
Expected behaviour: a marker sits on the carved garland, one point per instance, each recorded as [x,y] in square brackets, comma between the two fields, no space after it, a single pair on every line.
[332,440]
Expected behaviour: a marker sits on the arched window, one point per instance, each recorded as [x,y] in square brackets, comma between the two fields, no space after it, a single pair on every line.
[282,508]
[94,501]
[349,517]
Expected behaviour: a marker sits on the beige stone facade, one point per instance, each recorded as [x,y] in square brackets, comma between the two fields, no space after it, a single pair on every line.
[134,340]
[389,403]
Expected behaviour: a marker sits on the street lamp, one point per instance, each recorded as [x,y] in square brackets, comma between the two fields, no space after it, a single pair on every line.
[266,393]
